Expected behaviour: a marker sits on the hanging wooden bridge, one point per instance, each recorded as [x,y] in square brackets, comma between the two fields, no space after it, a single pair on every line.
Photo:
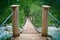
[29,33]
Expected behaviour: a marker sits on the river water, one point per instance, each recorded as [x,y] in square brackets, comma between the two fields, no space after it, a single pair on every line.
[54,32]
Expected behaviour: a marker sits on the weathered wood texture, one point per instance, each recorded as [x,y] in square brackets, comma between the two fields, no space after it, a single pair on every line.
[15,20]
[45,9]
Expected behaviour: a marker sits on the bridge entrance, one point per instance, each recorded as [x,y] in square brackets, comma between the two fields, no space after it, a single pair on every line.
[29,32]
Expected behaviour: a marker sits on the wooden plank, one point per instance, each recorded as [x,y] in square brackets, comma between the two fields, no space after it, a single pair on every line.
[30,37]
[29,28]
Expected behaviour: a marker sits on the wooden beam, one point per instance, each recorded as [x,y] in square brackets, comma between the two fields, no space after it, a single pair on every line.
[15,20]
[45,9]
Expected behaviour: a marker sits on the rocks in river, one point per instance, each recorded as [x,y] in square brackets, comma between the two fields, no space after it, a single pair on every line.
[9,28]
[4,34]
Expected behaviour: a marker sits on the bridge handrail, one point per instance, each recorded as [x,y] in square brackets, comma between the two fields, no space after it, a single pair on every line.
[6,19]
[55,19]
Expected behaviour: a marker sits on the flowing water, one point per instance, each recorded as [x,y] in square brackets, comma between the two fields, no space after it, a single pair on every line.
[4,34]
[54,32]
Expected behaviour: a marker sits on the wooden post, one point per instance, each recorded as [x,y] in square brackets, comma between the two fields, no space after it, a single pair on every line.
[15,20]
[45,9]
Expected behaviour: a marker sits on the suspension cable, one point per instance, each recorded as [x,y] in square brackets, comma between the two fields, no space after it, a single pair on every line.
[6,19]
[54,18]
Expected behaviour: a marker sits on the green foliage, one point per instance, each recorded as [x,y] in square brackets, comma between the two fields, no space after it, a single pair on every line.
[5,9]
[35,11]
[21,18]
[29,7]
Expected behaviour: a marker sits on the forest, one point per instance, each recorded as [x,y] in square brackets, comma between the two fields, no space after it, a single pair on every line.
[31,8]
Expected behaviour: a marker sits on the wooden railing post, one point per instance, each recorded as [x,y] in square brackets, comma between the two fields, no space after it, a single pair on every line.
[45,9]
[15,20]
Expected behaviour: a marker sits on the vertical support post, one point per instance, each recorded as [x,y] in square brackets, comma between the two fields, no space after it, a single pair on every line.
[45,9]
[15,20]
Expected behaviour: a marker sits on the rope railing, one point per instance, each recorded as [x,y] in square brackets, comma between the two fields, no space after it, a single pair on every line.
[6,19]
[56,20]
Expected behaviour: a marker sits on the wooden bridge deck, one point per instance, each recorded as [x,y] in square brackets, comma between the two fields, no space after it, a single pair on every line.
[29,33]
[28,28]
